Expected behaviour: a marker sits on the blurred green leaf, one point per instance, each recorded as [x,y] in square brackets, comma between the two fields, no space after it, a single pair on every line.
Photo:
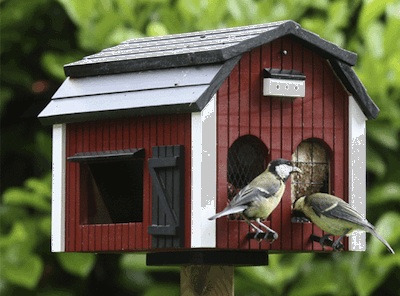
[320,271]
[40,186]
[388,192]
[388,228]
[385,135]
[10,214]
[24,198]
[54,62]
[374,39]
[138,262]
[156,29]
[35,194]
[18,234]
[162,289]
[375,162]
[79,264]
[371,10]
[25,273]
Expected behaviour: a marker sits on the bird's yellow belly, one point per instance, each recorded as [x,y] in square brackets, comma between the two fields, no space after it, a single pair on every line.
[262,208]
[334,226]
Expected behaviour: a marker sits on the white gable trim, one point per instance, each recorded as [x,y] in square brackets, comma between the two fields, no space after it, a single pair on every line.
[204,188]
[357,169]
[58,189]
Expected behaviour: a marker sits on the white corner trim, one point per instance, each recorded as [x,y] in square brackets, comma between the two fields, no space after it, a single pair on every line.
[204,188]
[357,169]
[58,189]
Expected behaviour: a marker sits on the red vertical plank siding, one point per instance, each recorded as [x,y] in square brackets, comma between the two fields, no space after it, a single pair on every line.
[125,237]
[297,135]
[308,99]
[318,97]
[91,237]
[118,237]
[328,106]
[277,105]
[265,111]
[317,113]
[233,134]
[111,234]
[244,98]
[105,237]
[282,124]
[140,132]
[308,60]
[244,127]
[287,124]
[222,156]
[132,238]
[98,236]
[255,90]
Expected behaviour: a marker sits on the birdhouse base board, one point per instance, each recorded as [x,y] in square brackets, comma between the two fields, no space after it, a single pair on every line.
[208,257]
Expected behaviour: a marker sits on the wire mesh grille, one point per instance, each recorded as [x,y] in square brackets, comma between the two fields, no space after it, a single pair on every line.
[313,159]
[247,158]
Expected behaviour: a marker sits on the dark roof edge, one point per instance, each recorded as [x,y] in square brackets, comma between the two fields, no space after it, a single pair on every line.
[216,83]
[152,63]
[319,44]
[350,80]
[121,113]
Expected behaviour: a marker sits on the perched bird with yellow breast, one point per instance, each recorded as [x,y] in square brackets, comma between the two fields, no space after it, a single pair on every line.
[335,217]
[261,196]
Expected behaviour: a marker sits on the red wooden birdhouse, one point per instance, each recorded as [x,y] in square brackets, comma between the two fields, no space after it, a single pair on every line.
[153,136]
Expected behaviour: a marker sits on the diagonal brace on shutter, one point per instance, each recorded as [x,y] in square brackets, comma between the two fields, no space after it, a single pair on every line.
[166,169]
[160,187]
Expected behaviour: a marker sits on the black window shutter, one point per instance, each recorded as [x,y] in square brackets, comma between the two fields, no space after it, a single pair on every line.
[167,175]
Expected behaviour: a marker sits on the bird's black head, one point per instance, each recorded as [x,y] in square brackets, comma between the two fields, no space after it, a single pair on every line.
[282,168]
[298,215]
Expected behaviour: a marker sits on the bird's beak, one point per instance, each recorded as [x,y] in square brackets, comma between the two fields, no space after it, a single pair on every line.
[296,169]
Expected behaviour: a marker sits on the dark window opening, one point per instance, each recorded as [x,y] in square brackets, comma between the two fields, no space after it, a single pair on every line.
[313,158]
[247,158]
[111,189]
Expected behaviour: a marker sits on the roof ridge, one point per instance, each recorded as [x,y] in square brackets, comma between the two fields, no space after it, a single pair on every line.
[196,48]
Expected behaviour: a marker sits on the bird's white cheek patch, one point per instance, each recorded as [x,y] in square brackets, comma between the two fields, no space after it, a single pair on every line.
[284,170]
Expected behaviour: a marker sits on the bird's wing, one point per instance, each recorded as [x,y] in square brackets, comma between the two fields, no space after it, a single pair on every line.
[250,193]
[338,209]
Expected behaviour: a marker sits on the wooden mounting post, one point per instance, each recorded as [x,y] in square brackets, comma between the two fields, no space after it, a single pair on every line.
[207,272]
[207,280]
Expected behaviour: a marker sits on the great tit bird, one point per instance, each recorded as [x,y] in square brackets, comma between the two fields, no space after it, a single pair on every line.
[261,196]
[334,216]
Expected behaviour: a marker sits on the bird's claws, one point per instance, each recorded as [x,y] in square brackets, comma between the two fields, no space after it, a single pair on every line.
[295,219]
[337,245]
[270,236]
[326,241]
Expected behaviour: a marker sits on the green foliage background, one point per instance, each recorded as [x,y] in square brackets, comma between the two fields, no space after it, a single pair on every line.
[39,36]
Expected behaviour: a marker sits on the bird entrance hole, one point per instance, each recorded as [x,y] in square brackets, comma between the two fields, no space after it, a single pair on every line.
[111,186]
[247,158]
[313,158]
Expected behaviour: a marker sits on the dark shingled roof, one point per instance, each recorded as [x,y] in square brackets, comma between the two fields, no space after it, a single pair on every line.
[197,48]
[178,73]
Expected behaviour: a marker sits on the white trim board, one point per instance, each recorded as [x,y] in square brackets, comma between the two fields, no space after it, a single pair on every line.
[204,172]
[357,169]
[58,189]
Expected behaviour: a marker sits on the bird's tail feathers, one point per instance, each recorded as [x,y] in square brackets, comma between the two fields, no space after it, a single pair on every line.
[228,211]
[372,231]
